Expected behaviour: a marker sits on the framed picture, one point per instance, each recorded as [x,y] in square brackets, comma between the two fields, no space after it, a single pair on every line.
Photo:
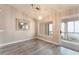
[22,24]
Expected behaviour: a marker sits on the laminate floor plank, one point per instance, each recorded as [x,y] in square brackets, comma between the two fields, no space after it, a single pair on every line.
[35,47]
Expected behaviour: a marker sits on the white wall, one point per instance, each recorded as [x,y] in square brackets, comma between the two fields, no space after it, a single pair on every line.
[1,26]
[8,17]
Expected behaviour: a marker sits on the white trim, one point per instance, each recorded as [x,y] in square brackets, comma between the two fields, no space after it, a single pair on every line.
[47,41]
[1,45]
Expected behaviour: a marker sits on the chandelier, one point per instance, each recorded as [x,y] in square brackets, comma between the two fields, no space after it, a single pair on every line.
[36,7]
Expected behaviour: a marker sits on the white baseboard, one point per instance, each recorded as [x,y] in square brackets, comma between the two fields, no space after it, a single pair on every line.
[1,45]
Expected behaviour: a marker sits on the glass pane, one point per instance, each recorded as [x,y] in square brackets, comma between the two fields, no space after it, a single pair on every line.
[70,26]
[76,26]
[62,27]
[50,27]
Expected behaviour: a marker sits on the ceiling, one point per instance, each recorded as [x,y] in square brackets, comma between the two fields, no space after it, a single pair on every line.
[46,9]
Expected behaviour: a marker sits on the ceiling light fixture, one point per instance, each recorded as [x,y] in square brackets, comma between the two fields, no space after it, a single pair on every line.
[39,18]
[36,7]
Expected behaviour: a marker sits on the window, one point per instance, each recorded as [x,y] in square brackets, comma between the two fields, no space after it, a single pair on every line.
[46,28]
[71,26]
[76,26]
[50,28]
[70,30]
[62,27]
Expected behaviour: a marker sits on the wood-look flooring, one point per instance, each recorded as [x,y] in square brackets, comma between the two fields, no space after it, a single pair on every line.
[35,47]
